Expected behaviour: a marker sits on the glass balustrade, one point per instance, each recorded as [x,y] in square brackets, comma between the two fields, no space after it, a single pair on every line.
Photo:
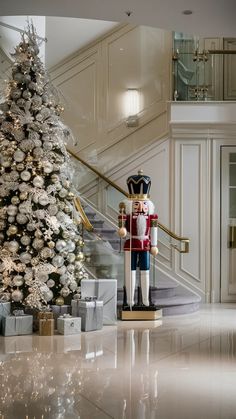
[203,68]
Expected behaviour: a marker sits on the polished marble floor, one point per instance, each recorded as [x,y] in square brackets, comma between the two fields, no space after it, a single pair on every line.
[182,367]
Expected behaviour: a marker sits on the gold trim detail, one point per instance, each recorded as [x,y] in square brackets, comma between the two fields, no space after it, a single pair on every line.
[141,197]
[87,225]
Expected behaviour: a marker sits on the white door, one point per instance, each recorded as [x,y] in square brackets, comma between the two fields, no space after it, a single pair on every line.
[228,224]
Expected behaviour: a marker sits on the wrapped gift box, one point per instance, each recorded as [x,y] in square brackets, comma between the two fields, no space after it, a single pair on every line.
[105,290]
[59,311]
[75,308]
[91,313]
[45,315]
[69,325]
[5,309]
[17,325]
[46,327]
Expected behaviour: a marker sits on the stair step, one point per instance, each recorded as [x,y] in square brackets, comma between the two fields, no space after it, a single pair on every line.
[179,304]
[105,232]
[97,223]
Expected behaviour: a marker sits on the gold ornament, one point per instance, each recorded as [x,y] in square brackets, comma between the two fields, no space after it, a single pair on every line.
[29,158]
[80,243]
[51,245]
[23,195]
[67,209]
[59,301]
[20,167]
[80,256]
[12,230]
[70,195]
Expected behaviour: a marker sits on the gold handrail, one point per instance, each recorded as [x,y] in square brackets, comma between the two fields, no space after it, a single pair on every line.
[82,214]
[87,223]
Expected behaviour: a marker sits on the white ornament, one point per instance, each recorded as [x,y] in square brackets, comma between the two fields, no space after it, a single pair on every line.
[50,283]
[18,280]
[48,167]
[25,240]
[21,218]
[43,199]
[25,257]
[13,246]
[12,210]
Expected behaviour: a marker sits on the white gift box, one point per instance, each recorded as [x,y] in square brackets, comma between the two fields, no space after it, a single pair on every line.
[69,325]
[91,313]
[105,290]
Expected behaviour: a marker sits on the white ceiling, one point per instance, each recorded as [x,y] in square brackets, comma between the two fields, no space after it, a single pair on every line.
[209,18]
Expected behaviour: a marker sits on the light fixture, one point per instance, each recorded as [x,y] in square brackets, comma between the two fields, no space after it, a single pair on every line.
[132,107]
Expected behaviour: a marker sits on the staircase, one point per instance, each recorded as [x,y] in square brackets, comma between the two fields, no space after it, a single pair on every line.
[107,262]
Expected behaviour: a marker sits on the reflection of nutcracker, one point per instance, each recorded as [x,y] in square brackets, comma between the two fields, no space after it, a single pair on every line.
[138,219]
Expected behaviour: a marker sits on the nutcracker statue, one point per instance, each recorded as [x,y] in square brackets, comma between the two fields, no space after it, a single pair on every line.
[138,224]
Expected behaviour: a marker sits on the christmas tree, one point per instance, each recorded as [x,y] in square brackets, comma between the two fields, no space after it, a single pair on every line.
[40,241]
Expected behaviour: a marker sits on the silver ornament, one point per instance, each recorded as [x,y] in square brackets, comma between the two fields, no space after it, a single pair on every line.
[73,286]
[26,94]
[60,245]
[24,187]
[61,270]
[65,292]
[18,280]
[11,219]
[31,227]
[25,175]
[50,283]
[70,268]
[38,181]
[38,152]
[38,244]
[25,240]
[19,156]
[53,210]
[25,257]
[21,218]
[17,296]
[13,246]
[43,199]
[42,276]
[58,261]
[64,280]
[46,253]
[48,167]
[71,257]
[12,210]
[70,247]
[48,295]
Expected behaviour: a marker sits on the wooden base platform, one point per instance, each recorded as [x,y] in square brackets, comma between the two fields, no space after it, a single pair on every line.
[141,314]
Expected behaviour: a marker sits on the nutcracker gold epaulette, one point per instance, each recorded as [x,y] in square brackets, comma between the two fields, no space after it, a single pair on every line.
[154,222]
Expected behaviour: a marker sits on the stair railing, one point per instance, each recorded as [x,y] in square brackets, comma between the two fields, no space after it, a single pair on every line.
[184,241]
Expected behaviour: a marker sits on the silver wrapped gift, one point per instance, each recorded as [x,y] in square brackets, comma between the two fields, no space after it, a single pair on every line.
[69,325]
[17,325]
[105,290]
[91,313]
[5,309]
[75,308]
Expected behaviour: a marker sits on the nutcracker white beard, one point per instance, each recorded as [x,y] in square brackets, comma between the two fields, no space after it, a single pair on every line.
[141,225]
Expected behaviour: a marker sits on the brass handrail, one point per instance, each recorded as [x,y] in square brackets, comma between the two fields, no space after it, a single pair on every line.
[86,222]
[88,226]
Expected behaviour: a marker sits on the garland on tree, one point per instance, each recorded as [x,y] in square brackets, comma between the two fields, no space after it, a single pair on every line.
[40,242]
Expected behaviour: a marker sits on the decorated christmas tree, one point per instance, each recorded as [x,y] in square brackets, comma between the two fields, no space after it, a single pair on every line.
[40,242]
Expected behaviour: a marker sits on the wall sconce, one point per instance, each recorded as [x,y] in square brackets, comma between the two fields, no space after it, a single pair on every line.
[132,107]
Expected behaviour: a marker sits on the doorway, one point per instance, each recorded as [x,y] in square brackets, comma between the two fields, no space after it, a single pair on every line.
[228,224]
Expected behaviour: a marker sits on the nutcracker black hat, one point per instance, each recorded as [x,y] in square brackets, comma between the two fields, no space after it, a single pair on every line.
[139,186]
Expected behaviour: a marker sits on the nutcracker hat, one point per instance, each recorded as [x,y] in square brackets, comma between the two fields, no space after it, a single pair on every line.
[139,186]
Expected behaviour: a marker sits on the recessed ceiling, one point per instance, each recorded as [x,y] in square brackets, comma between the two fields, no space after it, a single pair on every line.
[209,17]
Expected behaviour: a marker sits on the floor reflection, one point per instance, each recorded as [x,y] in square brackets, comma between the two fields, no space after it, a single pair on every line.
[181,368]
